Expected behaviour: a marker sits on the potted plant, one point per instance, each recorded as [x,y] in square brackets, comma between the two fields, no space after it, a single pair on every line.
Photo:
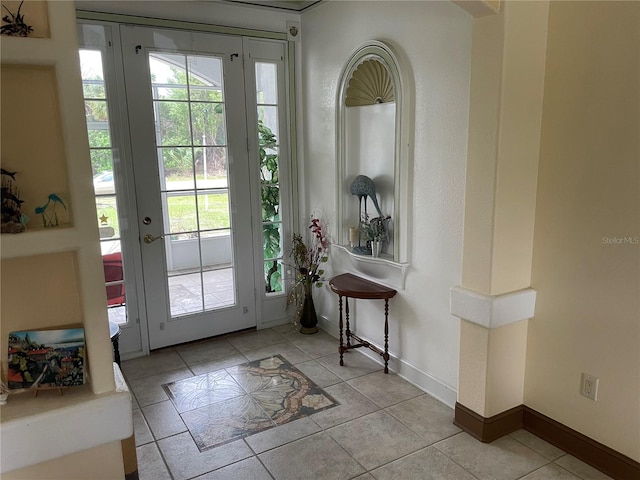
[374,231]
[15,26]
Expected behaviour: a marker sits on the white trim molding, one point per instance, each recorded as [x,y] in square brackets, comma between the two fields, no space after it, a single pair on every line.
[492,311]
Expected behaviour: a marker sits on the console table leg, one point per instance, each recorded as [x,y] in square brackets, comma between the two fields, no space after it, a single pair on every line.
[340,348]
[116,350]
[386,336]
[348,329]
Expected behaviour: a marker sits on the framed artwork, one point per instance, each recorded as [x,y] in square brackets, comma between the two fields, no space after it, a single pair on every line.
[46,358]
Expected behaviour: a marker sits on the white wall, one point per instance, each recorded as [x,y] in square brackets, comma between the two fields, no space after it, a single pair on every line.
[432,43]
[370,147]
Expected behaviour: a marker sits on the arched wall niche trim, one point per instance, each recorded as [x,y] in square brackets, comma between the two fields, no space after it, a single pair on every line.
[386,163]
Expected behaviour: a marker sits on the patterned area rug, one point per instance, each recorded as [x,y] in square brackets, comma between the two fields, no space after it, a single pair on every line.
[229,404]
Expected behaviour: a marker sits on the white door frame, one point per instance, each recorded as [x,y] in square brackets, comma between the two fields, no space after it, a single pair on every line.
[268,313]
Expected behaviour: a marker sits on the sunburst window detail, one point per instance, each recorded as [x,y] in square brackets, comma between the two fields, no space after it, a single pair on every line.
[370,84]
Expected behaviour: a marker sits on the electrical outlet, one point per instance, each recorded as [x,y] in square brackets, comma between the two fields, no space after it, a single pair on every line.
[589,386]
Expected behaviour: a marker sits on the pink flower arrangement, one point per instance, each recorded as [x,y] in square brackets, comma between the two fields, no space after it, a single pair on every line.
[307,259]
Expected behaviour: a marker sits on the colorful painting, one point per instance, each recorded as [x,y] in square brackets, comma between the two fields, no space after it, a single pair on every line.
[46,358]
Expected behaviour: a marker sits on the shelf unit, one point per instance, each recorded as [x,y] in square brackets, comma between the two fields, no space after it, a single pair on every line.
[381,269]
[60,265]
[60,52]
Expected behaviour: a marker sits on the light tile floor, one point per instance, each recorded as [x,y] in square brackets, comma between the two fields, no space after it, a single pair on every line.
[383,429]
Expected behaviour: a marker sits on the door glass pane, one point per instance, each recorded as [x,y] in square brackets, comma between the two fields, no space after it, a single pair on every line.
[176,168]
[167,76]
[209,128]
[213,210]
[185,294]
[218,288]
[269,116]
[269,164]
[211,167]
[273,275]
[191,134]
[173,123]
[267,88]
[101,153]
[205,78]
[92,76]
[270,203]
[107,209]
[272,240]
[96,111]
[267,98]
[99,138]
[181,213]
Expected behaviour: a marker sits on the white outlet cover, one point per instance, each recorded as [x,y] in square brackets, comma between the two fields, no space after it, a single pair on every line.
[589,386]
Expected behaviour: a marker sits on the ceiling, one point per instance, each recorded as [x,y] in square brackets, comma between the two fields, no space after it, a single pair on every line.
[290,5]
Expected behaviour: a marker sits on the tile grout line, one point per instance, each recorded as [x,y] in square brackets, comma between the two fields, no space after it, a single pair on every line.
[451,458]
[257,457]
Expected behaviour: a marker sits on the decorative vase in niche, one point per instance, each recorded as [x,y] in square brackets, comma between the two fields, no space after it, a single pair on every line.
[376,248]
[308,319]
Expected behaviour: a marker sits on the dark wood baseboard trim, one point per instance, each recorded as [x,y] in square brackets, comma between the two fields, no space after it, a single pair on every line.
[597,455]
[580,446]
[488,429]
[131,476]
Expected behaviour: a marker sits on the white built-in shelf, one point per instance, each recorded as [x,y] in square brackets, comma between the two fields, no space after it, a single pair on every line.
[37,429]
[39,241]
[377,269]
[31,51]
[60,51]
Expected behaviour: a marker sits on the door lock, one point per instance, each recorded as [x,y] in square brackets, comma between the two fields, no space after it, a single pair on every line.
[148,238]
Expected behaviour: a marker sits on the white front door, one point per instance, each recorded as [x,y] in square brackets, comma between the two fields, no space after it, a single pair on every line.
[186,106]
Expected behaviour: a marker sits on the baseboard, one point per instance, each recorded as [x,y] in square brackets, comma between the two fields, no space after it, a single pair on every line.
[488,429]
[273,323]
[402,368]
[599,456]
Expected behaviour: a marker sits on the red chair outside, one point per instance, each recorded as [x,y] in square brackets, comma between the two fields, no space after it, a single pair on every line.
[113,273]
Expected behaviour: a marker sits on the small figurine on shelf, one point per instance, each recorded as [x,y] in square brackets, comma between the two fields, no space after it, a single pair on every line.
[12,219]
[50,219]
[15,26]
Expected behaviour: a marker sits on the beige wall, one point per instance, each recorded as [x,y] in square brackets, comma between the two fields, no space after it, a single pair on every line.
[46,300]
[588,309]
[507,83]
[507,86]
[100,463]
[53,277]
[33,145]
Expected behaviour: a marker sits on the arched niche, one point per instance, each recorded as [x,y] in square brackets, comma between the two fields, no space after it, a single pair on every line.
[370,103]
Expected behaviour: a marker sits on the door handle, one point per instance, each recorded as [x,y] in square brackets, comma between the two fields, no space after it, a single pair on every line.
[148,238]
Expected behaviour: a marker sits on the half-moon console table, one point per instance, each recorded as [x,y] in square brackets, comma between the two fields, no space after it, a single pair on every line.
[351,286]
